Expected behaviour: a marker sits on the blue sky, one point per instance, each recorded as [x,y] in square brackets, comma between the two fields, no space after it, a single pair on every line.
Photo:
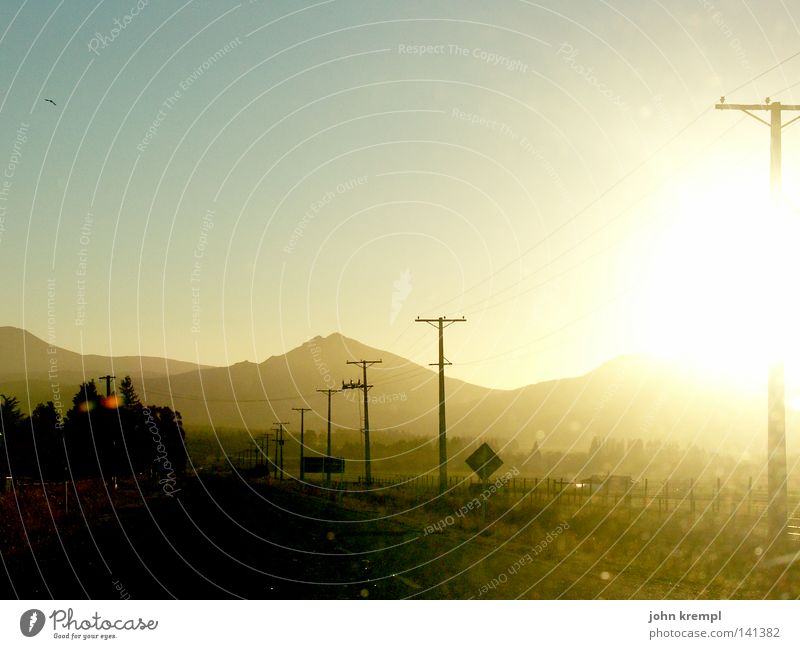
[259,173]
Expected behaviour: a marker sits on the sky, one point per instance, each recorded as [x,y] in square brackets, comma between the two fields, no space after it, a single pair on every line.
[223,181]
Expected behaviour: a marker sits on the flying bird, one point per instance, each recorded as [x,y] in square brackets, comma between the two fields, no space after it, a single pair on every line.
[51,101]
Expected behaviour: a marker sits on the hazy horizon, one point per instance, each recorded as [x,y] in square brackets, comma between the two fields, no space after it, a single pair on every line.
[223,183]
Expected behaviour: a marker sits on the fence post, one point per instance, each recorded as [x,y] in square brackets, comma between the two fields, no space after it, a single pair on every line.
[660,498]
[749,493]
[691,494]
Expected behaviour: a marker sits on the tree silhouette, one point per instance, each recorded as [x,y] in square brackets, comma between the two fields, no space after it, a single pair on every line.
[10,414]
[96,437]
[47,427]
[92,434]
[165,428]
[130,399]
[18,457]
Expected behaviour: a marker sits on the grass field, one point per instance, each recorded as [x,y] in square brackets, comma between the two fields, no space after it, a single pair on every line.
[221,537]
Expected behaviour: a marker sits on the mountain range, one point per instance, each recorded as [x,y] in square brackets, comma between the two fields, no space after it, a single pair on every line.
[629,397]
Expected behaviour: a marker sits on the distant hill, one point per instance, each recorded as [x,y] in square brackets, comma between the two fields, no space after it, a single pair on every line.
[633,397]
[629,397]
[28,365]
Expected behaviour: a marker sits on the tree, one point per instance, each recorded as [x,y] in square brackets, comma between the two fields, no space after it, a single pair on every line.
[137,447]
[130,399]
[533,462]
[167,440]
[11,416]
[48,430]
[97,437]
[17,456]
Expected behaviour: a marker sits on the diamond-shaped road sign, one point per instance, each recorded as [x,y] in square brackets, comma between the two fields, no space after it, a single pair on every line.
[484,461]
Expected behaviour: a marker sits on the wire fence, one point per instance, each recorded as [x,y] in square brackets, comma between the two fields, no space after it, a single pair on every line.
[689,495]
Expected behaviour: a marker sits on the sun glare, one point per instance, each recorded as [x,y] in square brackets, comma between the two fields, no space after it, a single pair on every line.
[722,293]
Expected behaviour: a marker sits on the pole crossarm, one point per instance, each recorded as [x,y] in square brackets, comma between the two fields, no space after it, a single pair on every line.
[446,322]
[369,363]
[353,385]
[280,425]
[108,378]
[768,106]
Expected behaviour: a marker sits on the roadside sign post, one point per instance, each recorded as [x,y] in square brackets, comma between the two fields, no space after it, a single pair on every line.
[484,462]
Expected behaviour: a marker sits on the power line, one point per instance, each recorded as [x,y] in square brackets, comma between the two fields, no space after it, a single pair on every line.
[765,72]
[796,83]
[474,307]
[260,400]
[609,189]
[583,209]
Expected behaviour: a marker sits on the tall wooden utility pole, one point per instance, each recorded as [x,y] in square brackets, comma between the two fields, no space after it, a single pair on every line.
[329,392]
[363,385]
[442,323]
[776,410]
[108,378]
[302,411]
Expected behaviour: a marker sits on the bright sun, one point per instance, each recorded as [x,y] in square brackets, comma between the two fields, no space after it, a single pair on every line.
[723,291]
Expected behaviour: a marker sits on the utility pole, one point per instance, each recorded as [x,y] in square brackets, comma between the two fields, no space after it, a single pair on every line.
[363,385]
[776,410]
[442,323]
[329,392]
[279,445]
[302,411]
[107,378]
[264,451]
